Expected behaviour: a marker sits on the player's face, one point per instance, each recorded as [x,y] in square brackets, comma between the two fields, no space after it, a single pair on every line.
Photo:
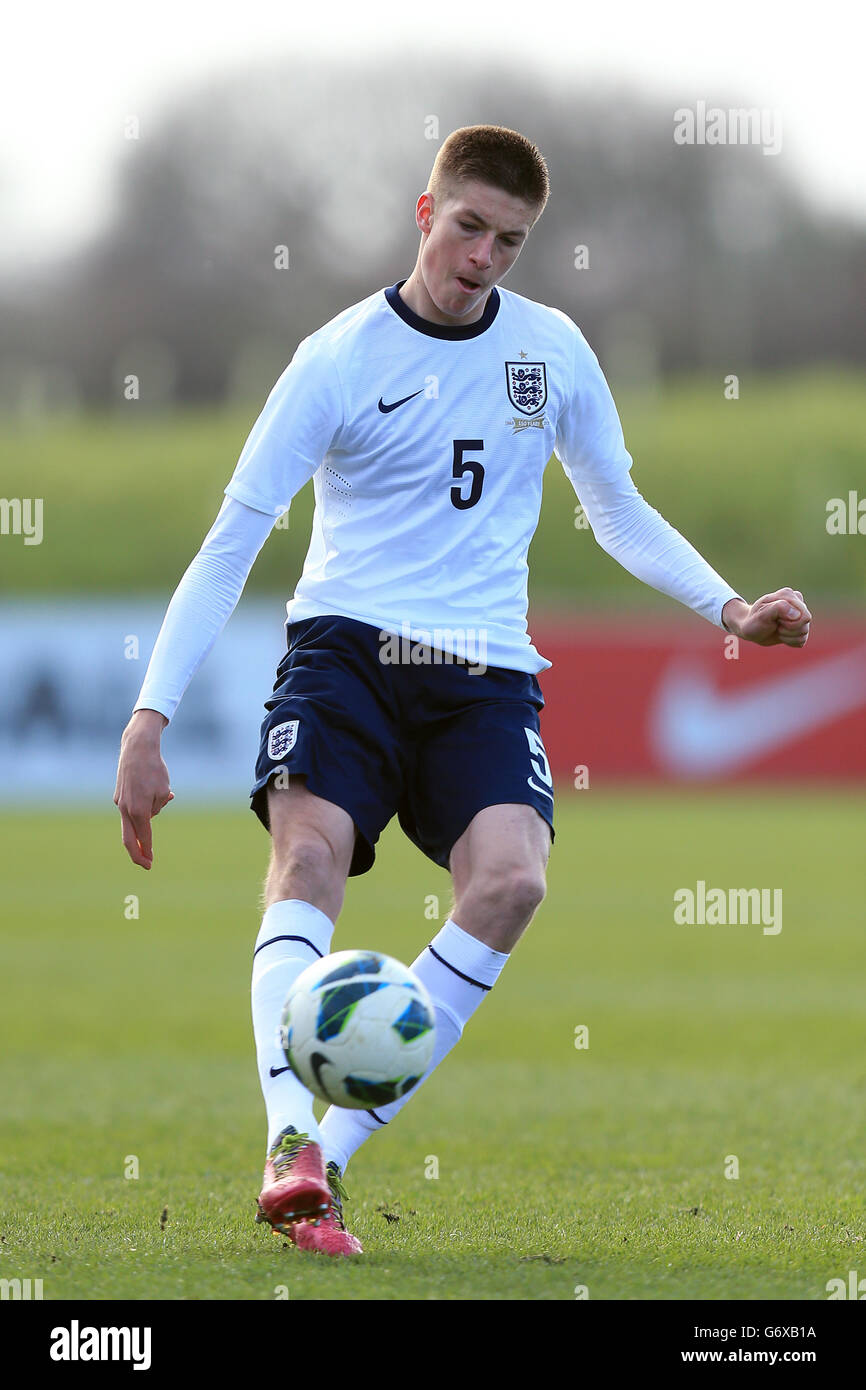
[470,242]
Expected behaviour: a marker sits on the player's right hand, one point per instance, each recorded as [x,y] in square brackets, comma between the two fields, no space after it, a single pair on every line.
[142,787]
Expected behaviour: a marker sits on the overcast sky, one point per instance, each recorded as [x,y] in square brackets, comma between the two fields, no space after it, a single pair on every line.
[73,73]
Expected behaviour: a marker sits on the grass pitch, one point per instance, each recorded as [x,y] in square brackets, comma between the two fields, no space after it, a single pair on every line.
[712,1050]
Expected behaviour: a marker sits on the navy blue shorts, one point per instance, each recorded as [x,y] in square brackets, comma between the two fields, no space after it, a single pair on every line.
[433,742]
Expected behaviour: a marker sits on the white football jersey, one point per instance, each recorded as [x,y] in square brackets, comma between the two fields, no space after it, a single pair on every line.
[427,445]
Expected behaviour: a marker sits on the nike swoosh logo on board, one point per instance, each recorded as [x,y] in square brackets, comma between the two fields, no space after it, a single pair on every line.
[696,730]
[537,788]
[386,409]
[278,1071]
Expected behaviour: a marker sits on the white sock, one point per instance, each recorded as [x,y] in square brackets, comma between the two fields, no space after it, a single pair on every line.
[293,934]
[458,971]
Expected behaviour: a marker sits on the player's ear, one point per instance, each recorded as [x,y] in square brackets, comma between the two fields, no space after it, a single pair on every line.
[424,213]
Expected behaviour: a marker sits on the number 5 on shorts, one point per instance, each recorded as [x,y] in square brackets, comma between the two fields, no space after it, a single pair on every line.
[538,758]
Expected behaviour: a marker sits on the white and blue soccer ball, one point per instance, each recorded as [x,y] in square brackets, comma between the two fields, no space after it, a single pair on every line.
[358,1029]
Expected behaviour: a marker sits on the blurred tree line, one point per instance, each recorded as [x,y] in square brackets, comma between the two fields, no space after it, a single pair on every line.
[696,256]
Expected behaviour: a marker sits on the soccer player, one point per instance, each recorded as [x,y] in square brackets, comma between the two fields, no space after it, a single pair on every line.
[425,415]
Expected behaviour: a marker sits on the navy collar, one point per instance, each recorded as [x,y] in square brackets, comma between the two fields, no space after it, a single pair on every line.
[442,330]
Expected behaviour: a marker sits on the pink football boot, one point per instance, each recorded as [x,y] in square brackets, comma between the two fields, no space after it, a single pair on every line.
[295,1184]
[328,1234]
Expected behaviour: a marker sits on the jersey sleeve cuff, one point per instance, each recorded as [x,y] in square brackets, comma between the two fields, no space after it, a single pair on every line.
[249,499]
[726,599]
[162,706]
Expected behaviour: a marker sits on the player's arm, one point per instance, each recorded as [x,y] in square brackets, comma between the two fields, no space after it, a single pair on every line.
[201,605]
[639,538]
[593,453]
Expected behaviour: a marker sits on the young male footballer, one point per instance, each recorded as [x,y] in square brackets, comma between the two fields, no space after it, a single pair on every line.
[425,415]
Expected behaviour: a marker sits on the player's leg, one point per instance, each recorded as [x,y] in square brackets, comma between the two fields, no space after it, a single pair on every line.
[498,867]
[311,853]
[312,846]
[481,803]
[498,870]
[504,846]
[327,782]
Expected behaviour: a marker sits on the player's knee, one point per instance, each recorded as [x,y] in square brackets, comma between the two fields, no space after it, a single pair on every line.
[306,868]
[515,893]
[529,888]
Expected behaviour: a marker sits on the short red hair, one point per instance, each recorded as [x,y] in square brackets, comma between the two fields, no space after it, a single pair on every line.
[495,155]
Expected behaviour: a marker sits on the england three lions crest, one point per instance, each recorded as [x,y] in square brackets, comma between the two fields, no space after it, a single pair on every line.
[281,739]
[527,390]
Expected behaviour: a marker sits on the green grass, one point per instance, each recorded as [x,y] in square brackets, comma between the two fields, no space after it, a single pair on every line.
[557,1167]
[746,481]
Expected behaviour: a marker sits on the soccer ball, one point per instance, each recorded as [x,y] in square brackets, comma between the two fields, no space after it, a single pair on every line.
[358,1029]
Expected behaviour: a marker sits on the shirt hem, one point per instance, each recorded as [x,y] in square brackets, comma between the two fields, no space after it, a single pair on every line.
[497,654]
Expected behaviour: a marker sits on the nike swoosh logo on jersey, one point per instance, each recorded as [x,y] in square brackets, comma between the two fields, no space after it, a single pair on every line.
[278,1071]
[535,787]
[386,409]
[697,730]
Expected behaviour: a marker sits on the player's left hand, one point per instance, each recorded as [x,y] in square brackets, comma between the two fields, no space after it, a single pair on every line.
[778,618]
